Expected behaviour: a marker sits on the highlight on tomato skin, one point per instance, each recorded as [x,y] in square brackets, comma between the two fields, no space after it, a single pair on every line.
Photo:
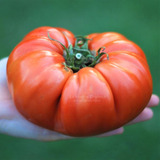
[75,85]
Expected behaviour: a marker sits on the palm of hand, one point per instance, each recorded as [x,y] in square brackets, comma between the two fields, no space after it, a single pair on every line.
[13,123]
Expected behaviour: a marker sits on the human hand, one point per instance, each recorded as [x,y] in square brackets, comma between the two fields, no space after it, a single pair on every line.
[14,124]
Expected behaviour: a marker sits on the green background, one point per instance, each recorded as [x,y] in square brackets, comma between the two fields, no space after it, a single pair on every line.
[136,19]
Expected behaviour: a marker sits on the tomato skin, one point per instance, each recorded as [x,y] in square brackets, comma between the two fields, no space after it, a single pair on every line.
[75,103]
[42,86]
[134,74]
[89,102]
[68,34]
[40,43]
[91,36]
[102,38]
[123,45]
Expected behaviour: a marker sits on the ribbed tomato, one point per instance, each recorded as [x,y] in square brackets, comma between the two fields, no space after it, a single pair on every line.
[78,86]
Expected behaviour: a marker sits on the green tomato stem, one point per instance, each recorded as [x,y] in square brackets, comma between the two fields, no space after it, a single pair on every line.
[80,56]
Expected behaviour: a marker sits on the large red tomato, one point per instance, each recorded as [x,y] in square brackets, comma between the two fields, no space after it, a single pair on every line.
[78,86]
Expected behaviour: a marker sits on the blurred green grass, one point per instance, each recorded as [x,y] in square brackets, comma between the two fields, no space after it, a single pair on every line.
[136,19]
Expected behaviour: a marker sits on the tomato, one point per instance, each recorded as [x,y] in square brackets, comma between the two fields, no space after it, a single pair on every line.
[78,86]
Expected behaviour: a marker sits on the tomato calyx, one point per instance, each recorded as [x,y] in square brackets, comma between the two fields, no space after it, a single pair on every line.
[80,56]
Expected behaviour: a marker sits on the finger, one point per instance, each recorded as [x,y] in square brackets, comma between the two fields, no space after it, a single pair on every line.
[146,114]
[154,101]
[111,133]
[51,136]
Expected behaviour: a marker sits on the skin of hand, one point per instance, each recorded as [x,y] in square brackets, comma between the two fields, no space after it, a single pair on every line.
[14,124]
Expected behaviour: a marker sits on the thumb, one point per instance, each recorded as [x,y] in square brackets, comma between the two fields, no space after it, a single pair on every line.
[4,92]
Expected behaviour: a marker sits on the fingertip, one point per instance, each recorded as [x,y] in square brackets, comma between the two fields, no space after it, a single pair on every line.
[120,130]
[147,114]
[154,101]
